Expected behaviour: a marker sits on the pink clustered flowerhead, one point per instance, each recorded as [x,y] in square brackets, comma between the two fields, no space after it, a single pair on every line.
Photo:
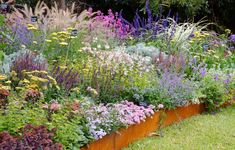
[113,22]
[102,119]
[132,114]
[54,106]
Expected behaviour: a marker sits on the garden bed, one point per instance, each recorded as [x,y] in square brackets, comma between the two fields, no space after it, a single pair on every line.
[123,137]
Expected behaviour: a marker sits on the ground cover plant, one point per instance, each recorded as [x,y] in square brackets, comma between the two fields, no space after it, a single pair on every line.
[93,73]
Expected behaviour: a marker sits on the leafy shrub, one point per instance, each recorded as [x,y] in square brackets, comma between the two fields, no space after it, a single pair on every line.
[218,87]
[33,137]
[213,93]
[72,134]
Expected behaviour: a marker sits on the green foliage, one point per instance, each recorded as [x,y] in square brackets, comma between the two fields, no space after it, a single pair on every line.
[190,7]
[69,126]
[213,91]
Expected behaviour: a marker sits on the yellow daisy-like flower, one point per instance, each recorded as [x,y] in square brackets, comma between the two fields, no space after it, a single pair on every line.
[64,43]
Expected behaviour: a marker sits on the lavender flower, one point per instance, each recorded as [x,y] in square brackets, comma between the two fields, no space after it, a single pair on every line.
[176,88]
[232,38]
[67,78]
[203,72]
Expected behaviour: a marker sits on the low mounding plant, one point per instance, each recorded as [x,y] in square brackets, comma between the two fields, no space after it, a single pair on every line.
[213,91]
[33,137]
[104,119]
[175,87]
[131,113]
[218,87]
[101,120]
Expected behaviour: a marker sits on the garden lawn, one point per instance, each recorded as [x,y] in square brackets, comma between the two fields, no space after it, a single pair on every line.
[202,132]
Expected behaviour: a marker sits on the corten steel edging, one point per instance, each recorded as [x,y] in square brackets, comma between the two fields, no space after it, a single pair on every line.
[123,137]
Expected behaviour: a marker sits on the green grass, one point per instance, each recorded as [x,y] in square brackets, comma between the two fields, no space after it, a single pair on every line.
[202,132]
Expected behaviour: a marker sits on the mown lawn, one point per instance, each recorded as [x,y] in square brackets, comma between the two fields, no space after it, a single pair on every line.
[202,132]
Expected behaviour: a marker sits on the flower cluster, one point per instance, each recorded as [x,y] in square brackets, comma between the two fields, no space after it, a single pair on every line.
[132,114]
[102,120]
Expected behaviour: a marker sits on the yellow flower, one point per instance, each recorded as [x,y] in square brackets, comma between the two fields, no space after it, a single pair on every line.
[197,34]
[55,38]
[64,43]
[30,25]
[211,51]
[191,41]
[54,34]
[19,88]
[3,77]
[52,80]
[35,42]
[26,81]
[32,28]
[8,82]
[217,57]
[23,46]
[85,70]
[57,87]
[33,86]
[228,31]
[63,67]
[77,90]
[48,41]
[206,34]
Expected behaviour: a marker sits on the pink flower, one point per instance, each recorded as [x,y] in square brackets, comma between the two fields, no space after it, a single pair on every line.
[160,106]
[55,106]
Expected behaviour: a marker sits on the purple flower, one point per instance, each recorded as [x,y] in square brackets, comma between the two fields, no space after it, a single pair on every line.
[216,77]
[203,72]
[232,38]
[205,47]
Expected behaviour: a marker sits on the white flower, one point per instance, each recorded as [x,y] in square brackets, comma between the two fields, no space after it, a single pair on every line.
[99,46]
[107,47]
[160,106]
